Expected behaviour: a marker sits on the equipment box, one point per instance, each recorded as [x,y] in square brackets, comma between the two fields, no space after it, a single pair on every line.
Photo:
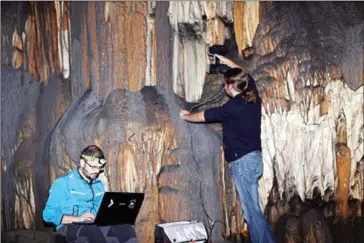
[180,232]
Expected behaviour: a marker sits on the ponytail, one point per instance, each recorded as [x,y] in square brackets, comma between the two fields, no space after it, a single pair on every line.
[241,81]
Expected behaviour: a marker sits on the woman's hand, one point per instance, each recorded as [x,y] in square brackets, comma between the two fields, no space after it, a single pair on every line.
[228,62]
[184,113]
[192,117]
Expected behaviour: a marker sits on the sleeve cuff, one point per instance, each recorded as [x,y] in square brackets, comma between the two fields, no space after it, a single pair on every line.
[206,115]
[60,219]
[94,211]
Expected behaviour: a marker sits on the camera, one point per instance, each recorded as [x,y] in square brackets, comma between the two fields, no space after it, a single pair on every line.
[215,67]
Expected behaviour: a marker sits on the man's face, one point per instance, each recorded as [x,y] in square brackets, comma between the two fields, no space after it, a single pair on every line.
[90,169]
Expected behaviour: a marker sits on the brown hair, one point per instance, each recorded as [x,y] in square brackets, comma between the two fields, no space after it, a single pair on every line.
[94,151]
[241,81]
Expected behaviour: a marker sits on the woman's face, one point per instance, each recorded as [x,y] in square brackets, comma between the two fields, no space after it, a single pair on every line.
[229,88]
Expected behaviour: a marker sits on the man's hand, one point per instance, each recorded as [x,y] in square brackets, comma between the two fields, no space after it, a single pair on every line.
[103,178]
[70,219]
[86,217]
[184,113]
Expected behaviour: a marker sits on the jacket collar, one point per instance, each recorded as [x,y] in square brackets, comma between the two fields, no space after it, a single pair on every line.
[77,174]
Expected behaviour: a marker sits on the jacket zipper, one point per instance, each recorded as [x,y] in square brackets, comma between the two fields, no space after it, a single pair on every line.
[93,196]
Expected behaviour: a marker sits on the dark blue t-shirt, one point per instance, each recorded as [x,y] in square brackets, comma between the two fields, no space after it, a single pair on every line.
[241,125]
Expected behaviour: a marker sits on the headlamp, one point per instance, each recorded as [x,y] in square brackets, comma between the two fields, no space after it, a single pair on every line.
[94,159]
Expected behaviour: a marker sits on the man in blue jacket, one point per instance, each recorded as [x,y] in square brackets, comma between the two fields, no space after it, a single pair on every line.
[76,197]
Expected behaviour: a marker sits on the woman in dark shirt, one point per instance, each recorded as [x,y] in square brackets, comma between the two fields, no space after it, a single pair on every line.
[241,120]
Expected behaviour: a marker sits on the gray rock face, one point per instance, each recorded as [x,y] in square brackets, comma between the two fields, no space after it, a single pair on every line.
[22,92]
[31,236]
[138,122]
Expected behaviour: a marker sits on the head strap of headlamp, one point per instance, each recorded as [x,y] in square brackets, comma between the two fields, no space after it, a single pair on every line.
[93,159]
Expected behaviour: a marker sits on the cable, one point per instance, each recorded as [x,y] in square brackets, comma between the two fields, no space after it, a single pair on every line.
[211,224]
[209,100]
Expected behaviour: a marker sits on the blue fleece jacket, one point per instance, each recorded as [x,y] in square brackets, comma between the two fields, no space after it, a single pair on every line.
[72,195]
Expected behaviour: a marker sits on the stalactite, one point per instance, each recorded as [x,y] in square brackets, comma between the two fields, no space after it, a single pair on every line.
[114,55]
[246,20]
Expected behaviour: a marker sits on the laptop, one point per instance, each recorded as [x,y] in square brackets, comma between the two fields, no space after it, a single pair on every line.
[117,208]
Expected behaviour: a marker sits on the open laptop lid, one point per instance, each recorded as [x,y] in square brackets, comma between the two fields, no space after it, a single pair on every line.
[119,208]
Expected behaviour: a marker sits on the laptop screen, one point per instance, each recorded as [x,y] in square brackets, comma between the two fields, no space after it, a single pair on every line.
[119,208]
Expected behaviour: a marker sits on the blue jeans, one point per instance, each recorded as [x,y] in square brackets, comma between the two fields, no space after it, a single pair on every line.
[246,173]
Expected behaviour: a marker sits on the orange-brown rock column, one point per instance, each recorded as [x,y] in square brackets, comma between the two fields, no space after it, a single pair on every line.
[343,160]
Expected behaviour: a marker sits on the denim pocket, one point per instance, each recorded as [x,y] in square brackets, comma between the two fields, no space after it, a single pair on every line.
[249,168]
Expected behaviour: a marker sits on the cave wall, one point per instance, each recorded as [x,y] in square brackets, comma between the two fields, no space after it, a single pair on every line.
[117,73]
[313,99]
